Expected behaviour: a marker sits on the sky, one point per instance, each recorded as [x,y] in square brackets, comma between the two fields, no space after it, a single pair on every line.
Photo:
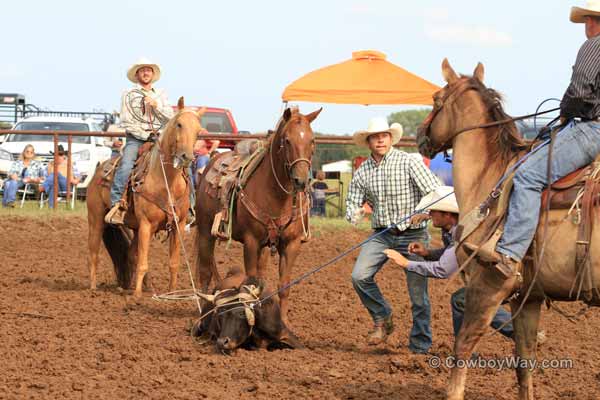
[240,55]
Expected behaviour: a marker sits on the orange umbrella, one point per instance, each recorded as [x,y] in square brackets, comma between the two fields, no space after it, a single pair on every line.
[365,79]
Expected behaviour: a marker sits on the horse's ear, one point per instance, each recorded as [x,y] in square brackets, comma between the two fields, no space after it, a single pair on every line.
[313,115]
[478,73]
[287,114]
[447,71]
[200,112]
[180,105]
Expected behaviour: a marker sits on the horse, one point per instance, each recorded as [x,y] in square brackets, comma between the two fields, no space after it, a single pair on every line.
[267,207]
[463,119]
[151,211]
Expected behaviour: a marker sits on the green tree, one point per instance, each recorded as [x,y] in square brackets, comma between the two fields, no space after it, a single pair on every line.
[409,119]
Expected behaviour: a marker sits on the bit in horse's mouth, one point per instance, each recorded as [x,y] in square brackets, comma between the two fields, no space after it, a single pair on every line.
[176,162]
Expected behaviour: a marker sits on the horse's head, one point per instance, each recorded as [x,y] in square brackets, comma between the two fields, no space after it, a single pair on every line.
[462,105]
[294,142]
[180,135]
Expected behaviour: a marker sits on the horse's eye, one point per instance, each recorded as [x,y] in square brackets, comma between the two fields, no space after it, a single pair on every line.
[179,125]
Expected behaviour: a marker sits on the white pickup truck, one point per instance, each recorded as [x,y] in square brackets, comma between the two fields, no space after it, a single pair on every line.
[87,152]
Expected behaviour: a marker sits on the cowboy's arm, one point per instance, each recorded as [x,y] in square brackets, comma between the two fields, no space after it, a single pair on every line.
[356,196]
[163,106]
[435,254]
[422,177]
[442,269]
[579,97]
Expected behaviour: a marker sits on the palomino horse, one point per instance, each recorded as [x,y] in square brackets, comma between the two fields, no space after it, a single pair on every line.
[274,193]
[151,210]
[480,158]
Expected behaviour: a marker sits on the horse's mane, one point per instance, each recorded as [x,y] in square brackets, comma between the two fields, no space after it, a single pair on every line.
[505,137]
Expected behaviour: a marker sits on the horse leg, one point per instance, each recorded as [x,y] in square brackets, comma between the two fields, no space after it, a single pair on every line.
[205,262]
[252,252]
[526,326]
[143,233]
[95,228]
[484,294]
[263,262]
[173,258]
[286,261]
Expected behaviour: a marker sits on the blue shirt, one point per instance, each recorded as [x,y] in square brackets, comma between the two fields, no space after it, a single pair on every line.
[444,262]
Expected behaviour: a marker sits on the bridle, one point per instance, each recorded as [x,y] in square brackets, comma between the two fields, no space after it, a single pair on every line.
[283,140]
[184,163]
[454,91]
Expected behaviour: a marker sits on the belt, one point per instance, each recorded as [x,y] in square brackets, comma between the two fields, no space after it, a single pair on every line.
[396,231]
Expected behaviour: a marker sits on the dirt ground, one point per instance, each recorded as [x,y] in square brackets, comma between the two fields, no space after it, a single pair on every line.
[58,340]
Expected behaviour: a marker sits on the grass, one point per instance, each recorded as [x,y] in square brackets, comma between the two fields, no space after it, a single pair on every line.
[32,209]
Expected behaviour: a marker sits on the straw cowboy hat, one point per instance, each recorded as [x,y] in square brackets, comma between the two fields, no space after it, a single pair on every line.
[592,8]
[143,62]
[447,204]
[378,125]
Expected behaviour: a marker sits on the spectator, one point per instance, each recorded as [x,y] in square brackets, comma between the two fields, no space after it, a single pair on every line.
[319,191]
[62,168]
[441,166]
[201,152]
[23,171]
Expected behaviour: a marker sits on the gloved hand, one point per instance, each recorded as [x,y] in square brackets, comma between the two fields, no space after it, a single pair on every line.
[359,213]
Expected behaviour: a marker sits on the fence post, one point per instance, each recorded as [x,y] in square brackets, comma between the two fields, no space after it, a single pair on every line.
[55,172]
[69,171]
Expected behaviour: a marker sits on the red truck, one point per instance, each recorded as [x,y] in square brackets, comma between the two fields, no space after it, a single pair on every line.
[218,120]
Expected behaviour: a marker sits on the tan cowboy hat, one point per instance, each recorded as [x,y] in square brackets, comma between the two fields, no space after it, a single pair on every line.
[143,62]
[378,125]
[447,204]
[592,8]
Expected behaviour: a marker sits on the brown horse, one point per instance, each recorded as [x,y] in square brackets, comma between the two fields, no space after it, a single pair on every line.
[274,192]
[151,210]
[480,158]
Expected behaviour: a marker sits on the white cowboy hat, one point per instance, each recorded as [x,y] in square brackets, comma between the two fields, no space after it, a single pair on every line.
[378,125]
[447,204]
[592,8]
[143,62]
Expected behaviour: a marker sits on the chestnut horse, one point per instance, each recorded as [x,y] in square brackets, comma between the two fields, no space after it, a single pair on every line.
[275,189]
[480,158]
[151,210]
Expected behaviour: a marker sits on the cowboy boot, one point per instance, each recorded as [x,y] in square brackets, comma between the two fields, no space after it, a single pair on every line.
[381,331]
[502,263]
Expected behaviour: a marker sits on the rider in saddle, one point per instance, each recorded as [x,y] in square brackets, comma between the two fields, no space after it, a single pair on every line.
[139,129]
[576,145]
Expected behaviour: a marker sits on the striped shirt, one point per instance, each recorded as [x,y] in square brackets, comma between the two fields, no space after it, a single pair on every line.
[139,129]
[582,97]
[393,188]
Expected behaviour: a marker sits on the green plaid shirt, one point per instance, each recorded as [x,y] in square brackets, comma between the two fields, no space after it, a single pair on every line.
[393,188]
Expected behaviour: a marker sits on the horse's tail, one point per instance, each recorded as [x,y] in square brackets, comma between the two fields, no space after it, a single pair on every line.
[117,243]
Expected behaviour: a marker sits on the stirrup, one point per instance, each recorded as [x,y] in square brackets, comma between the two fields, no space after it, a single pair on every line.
[215,230]
[116,215]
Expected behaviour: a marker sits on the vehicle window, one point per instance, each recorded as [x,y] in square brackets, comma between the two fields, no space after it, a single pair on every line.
[216,122]
[49,126]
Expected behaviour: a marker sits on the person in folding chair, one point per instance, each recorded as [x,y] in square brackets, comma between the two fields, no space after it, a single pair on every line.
[62,167]
[25,170]
[144,111]
[575,146]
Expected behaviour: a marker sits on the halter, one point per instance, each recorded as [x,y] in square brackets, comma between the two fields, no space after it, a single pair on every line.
[288,165]
[183,163]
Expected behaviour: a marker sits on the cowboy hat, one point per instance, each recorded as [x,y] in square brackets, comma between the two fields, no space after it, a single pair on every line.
[378,125]
[447,204]
[592,8]
[61,151]
[143,62]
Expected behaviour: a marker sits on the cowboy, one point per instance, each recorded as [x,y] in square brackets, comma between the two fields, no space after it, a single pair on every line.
[442,263]
[392,183]
[575,146]
[155,111]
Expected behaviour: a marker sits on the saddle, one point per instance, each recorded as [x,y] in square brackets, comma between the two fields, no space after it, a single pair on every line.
[228,176]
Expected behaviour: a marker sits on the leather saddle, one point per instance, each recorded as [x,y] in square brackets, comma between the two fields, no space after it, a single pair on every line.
[230,172]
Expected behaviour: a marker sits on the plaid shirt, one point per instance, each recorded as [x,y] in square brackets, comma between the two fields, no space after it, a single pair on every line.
[393,188]
[34,170]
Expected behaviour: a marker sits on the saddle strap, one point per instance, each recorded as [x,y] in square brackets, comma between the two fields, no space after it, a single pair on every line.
[159,202]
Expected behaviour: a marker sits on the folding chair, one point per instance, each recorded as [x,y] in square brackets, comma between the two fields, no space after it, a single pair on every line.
[61,194]
[28,189]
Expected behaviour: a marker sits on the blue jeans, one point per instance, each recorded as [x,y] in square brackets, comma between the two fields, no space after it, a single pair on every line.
[49,187]
[457,301]
[575,146]
[10,190]
[318,208]
[370,261]
[130,154]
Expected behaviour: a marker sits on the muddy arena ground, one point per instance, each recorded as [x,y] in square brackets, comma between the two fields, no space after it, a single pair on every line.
[59,340]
